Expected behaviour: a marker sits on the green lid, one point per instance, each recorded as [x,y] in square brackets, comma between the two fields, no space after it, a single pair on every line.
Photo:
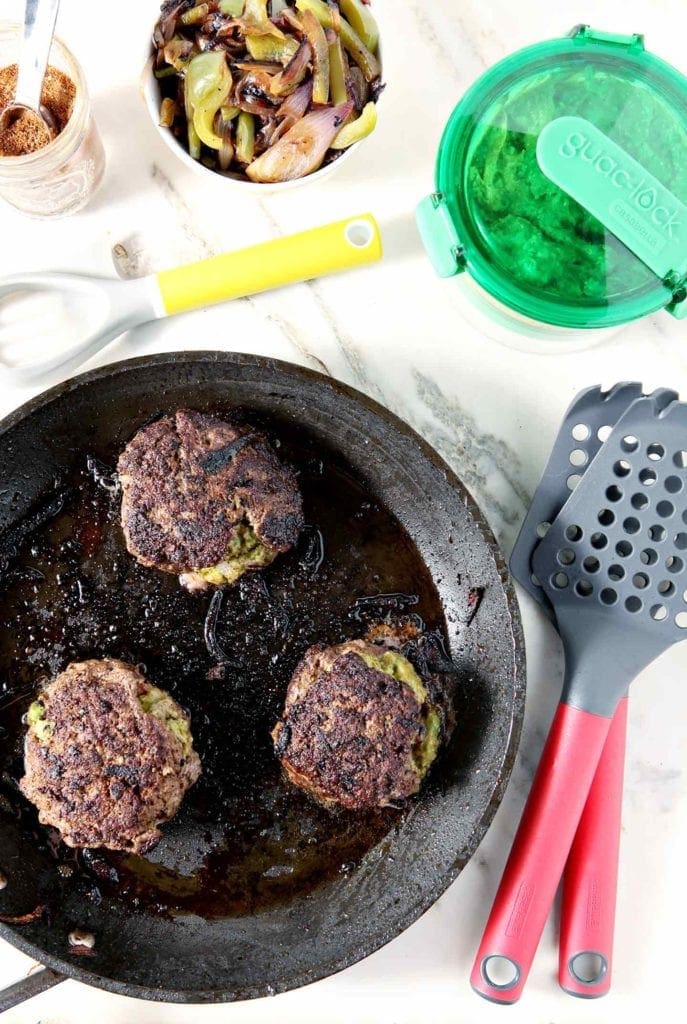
[561,183]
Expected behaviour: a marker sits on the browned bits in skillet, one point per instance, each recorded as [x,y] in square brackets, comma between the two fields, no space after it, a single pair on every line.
[197,488]
[108,757]
[359,728]
[33,915]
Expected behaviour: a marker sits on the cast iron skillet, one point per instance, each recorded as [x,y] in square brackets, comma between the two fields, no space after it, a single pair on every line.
[385,512]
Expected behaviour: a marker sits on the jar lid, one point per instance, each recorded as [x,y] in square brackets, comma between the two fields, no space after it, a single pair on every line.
[561,183]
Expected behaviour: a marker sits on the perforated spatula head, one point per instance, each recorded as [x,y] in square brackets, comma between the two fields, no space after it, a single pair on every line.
[587,423]
[613,563]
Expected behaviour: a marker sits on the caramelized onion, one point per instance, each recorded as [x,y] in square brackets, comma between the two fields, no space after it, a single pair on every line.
[257,65]
[296,105]
[169,13]
[294,72]
[303,148]
[240,79]
[252,94]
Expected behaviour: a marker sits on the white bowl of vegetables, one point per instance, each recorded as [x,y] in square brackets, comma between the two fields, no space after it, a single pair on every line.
[269,94]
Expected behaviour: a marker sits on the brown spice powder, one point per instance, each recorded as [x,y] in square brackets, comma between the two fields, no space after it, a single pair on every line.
[27,132]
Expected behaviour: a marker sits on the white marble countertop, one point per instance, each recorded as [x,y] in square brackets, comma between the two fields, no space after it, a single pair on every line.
[490,411]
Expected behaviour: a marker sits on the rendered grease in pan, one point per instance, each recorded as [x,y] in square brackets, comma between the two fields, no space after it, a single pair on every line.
[244,840]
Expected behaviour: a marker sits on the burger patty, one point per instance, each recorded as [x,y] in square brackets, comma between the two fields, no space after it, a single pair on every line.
[359,728]
[206,499]
[108,757]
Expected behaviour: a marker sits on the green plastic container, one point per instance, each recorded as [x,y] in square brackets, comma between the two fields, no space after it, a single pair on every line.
[561,185]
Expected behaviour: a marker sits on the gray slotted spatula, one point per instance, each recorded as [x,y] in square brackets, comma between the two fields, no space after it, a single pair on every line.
[587,422]
[611,566]
[590,886]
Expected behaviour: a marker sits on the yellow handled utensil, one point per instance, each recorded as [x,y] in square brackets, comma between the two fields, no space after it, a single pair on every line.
[314,253]
[38,311]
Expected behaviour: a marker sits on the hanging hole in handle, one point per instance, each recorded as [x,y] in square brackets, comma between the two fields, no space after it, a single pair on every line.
[588,968]
[500,972]
[359,233]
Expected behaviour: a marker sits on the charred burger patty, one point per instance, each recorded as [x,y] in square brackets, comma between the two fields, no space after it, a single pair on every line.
[108,757]
[206,499]
[359,727]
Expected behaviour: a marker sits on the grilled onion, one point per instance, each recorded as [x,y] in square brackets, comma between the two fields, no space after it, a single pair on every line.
[303,148]
[267,89]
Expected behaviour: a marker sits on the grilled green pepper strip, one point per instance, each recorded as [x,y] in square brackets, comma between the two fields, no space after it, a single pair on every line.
[245,138]
[271,49]
[337,73]
[195,15]
[356,130]
[362,21]
[364,58]
[165,72]
[207,86]
[255,21]
[204,123]
[193,140]
[223,124]
[320,50]
[234,8]
[255,10]
[255,15]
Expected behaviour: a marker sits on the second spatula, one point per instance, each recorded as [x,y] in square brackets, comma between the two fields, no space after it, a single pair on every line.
[608,566]
[590,882]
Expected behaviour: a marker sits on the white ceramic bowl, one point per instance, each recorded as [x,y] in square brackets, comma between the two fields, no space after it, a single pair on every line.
[150,90]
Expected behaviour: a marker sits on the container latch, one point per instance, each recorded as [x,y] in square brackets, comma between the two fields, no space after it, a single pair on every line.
[584,33]
[678,305]
[439,235]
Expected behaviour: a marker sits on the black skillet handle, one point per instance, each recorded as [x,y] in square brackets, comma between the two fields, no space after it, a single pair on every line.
[29,987]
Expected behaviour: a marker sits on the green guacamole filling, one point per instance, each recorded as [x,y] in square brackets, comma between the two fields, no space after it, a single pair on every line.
[426,751]
[36,720]
[398,667]
[159,704]
[245,551]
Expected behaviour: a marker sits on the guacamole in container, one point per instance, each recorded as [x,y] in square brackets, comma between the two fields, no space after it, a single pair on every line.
[561,188]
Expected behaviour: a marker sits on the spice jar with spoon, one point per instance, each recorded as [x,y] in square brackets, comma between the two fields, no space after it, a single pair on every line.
[51,156]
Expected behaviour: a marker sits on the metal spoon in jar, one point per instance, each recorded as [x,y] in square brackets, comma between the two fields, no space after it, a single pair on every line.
[39,26]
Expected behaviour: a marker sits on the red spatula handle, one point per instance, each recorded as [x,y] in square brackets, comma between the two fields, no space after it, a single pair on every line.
[591,875]
[539,853]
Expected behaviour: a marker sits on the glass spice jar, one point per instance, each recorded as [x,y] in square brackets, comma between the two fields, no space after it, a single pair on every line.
[59,178]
